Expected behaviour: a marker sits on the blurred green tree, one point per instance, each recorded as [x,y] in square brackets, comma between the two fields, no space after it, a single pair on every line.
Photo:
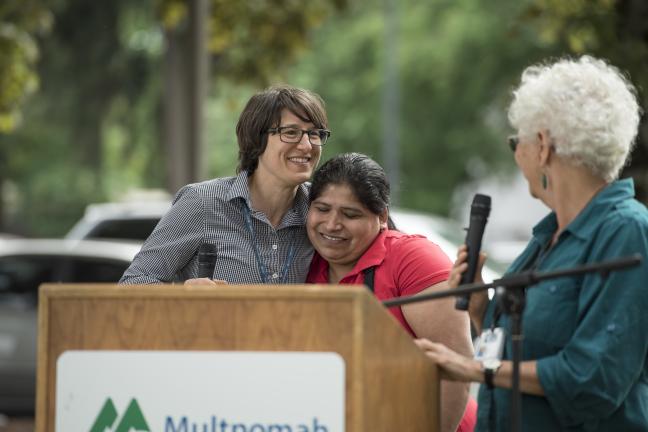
[92,129]
[255,41]
[20,23]
[457,61]
[92,76]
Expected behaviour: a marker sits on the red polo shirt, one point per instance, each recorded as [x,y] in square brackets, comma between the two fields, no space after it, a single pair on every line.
[405,265]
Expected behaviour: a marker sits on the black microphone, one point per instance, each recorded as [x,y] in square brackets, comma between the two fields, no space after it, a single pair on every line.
[479,211]
[206,260]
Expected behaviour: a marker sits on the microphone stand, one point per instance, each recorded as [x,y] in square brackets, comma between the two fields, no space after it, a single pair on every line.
[511,292]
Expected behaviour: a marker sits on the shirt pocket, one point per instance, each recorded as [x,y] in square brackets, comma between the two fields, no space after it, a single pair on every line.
[550,316]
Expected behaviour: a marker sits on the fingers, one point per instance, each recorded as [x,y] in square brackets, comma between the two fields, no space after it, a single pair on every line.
[452,366]
[461,265]
[422,343]
[454,280]
[482,260]
[202,281]
[428,346]
[458,267]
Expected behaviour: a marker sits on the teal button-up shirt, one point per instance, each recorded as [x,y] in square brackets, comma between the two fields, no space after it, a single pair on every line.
[589,334]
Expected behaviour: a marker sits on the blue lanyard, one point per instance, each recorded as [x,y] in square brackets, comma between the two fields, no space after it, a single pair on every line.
[263,269]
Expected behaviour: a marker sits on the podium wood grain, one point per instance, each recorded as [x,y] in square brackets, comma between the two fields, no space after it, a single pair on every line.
[390,385]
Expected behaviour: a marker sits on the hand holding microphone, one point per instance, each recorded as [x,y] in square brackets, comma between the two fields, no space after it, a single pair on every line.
[206,265]
[479,300]
[479,211]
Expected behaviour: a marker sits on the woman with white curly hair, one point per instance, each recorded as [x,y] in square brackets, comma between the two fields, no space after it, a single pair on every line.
[585,346]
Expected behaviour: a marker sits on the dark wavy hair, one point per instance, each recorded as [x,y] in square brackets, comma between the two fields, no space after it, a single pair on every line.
[364,176]
[263,112]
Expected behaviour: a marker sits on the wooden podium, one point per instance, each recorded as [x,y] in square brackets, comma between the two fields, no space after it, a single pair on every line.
[390,385]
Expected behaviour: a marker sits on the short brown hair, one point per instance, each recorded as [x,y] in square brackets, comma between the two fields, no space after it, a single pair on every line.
[263,111]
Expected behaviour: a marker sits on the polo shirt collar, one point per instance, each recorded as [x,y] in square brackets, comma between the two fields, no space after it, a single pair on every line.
[373,256]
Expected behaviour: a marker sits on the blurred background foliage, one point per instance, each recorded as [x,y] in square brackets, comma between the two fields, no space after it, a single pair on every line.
[81,87]
[254,41]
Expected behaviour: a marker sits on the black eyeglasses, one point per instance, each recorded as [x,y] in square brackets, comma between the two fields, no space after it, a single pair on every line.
[513,142]
[293,135]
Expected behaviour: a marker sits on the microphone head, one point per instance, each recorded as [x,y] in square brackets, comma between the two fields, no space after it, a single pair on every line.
[206,260]
[481,205]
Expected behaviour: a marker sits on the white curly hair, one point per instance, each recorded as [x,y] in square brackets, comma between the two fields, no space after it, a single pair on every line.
[588,107]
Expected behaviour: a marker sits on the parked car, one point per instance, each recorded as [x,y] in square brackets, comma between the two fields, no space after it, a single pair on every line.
[119,221]
[24,265]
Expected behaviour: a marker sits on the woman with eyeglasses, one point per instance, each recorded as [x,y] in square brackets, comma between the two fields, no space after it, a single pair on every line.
[585,338]
[349,226]
[255,220]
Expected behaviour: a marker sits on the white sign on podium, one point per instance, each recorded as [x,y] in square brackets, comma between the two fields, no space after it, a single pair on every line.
[200,391]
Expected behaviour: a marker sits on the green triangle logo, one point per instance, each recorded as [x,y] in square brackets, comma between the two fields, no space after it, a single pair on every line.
[133,419]
[106,417]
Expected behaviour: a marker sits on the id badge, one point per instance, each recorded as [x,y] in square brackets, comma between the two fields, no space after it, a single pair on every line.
[490,344]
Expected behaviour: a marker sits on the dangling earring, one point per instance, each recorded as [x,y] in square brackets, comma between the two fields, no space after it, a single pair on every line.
[544,181]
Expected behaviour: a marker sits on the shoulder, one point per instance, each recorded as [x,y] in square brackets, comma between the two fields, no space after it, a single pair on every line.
[412,263]
[623,230]
[626,216]
[408,247]
[219,188]
[630,210]
[400,241]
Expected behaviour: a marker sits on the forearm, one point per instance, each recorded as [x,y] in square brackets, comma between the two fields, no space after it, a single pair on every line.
[529,382]
[477,310]
[147,268]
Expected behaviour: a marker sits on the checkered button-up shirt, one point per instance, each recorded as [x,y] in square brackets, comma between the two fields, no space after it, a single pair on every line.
[213,212]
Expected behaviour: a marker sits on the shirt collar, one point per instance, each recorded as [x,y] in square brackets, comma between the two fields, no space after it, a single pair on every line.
[240,189]
[301,203]
[297,213]
[546,227]
[588,220]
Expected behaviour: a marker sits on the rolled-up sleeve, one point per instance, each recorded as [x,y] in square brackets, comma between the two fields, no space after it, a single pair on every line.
[591,376]
[173,242]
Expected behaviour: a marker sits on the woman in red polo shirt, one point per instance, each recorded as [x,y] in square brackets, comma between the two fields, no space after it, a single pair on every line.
[349,226]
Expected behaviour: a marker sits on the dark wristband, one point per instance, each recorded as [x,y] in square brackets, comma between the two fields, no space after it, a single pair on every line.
[489,376]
